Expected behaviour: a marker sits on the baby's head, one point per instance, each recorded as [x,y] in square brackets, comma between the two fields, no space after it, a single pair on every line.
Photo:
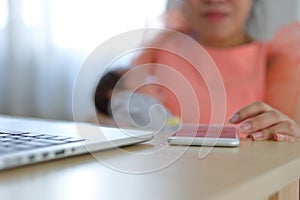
[137,79]
[104,89]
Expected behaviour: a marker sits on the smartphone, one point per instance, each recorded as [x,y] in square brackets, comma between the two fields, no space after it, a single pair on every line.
[206,135]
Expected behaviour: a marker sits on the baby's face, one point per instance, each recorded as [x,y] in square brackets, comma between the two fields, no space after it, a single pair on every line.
[218,19]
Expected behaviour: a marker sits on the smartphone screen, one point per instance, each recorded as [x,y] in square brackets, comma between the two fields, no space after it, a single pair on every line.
[206,131]
[205,135]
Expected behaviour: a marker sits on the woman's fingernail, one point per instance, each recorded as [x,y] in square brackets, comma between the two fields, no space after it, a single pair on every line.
[245,126]
[258,136]
[234,118]
[278,137]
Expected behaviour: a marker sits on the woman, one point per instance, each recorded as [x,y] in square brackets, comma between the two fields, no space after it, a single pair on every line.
[261,79]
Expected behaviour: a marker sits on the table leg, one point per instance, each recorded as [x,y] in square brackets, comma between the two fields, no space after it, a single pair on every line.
[290,192]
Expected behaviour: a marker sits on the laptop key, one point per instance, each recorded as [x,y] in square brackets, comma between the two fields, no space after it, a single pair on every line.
[59,138]
[5,139]
[25,139]
[74,140]
[32,134]
[14,136]
[45,136]
[13,133]
[50,141]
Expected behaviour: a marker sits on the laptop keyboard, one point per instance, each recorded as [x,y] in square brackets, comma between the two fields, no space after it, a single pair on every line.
[16,141]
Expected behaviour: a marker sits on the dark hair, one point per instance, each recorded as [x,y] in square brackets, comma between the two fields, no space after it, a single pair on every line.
[105,86]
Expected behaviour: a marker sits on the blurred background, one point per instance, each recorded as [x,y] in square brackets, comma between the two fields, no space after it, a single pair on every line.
[43,44]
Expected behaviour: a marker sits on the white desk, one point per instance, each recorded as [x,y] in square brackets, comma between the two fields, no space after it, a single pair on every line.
[255,170]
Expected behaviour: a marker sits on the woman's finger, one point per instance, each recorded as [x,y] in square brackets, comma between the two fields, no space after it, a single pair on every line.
[262,121]
[283,138]
[265,134]
[276,131]
[249,111]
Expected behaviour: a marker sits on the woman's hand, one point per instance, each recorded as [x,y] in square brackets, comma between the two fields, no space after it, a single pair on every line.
[262,122]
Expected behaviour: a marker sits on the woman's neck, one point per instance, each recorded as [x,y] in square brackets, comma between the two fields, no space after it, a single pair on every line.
[232,41]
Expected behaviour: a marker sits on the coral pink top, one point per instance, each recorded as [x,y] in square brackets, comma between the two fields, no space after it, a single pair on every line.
[259,71]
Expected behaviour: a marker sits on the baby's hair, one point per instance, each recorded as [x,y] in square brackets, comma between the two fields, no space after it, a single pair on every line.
[104,88]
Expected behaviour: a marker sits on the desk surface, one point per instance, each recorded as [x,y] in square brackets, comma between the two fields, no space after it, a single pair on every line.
[154,170]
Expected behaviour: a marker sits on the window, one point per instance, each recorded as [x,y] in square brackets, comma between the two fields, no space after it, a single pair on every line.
[89,22]
[3,14]
[45,42]
[82,23]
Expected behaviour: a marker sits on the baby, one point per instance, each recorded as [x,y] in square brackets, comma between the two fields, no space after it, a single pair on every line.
[123,95]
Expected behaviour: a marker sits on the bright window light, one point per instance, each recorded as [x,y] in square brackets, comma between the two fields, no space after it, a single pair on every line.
[31,12]
[88,23]
[3,13]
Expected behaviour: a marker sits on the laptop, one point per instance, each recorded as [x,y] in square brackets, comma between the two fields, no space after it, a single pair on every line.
[25,141]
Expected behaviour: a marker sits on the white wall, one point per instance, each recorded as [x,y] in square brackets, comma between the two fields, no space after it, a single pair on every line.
[272,14]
